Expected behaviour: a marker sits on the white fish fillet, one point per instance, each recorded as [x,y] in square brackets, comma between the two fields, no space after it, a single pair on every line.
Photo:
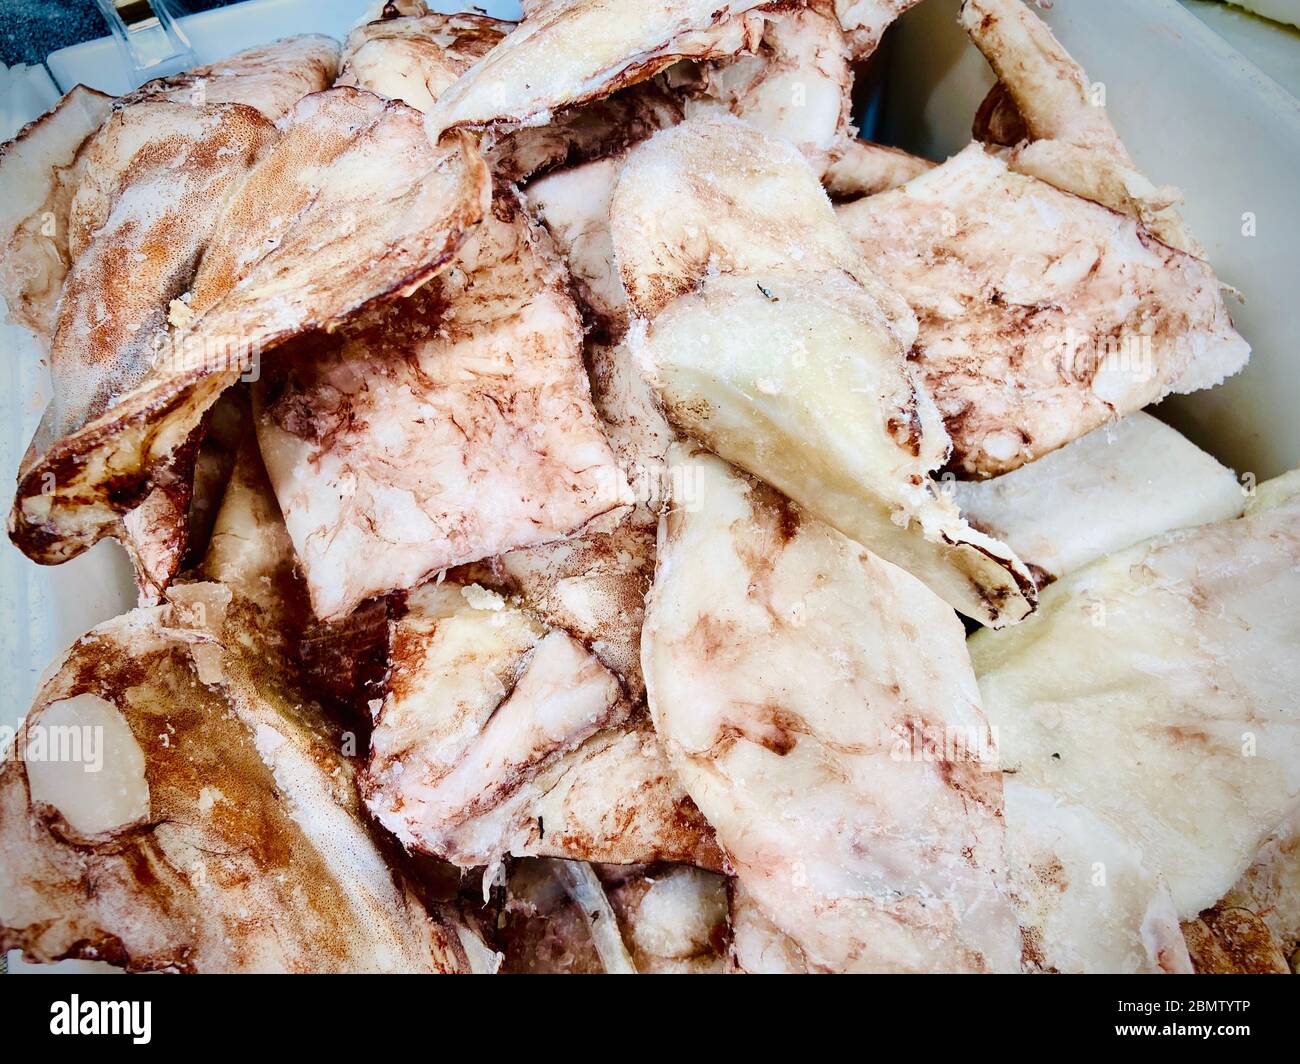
[223,832]
[1114,487]
[352,205]
[1068,137]
[798,683]
[270,77]
[450,428]
[1152,693]
[416,59]
[767,343]
[1042,315]
[499,736]
[567,53]
[715,195]
[1086,901]
[40,170]
[796,84]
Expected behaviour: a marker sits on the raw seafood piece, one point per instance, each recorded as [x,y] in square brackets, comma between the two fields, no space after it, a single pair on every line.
[1270,887]
[672,918]
[865,21]
[416,59]
[758,946]
[768,344]
[1085,900]
[789,376]
[664,919]
[1070,140]
[714,195]
[567,52]
[1042,315]
[574,204]
[39,171]
[352,205]
[149,188]
[1049,89]
[223,831]
[863,169]
[795,85]
[1228,941]
[499,736]
[1114,487]
[271,77]
[154,181]
[448,428]
[840,755]
[1152,694]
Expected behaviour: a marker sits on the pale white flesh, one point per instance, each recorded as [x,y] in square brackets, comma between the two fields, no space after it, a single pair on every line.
[1270,887]
[773,343]
[223,832]
[416,59]
[796,85]
[1071,142]
[570,52]
[454,427]
[1086,901]
[1153,692]
[574,204]
[672,919]
[796,680]
[90,768]
[865,21]
[352,205]
[270,77]
[40,170]
[863,169]
[716,195]
[1107,490]
[793,378]
[1043,315]
[499,736]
